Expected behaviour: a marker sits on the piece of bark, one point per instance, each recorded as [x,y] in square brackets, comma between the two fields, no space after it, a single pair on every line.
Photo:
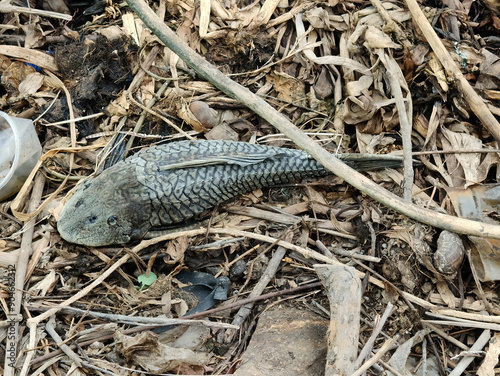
[343,288]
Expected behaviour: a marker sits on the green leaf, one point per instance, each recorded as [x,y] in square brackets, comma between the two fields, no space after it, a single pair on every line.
[146,281]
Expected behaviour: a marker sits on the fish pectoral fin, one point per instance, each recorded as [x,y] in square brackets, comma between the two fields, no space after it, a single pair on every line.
[155,232]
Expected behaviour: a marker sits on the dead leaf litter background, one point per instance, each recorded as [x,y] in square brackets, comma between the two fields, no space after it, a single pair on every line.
[357,77]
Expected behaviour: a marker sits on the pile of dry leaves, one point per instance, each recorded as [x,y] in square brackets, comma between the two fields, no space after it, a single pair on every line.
[404,285]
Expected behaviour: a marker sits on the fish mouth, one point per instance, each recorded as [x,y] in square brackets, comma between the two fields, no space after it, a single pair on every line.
[83,237]
[70,236]
[66,235]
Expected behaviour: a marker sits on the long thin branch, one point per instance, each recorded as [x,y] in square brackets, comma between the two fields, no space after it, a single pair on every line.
[262,108]
[6,7]
[394,76]
[269,273]
[13,339]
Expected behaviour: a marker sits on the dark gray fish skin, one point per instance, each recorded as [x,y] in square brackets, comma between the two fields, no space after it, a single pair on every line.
[171,183]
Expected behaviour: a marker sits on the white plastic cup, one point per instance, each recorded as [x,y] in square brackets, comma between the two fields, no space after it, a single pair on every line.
[19,153]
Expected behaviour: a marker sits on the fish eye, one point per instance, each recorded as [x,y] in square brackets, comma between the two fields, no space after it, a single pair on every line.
[112,220]
[91,219]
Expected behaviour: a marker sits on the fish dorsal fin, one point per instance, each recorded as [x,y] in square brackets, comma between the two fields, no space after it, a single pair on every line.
[235,159]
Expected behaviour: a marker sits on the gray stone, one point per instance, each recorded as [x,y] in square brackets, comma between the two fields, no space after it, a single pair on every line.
[287,342]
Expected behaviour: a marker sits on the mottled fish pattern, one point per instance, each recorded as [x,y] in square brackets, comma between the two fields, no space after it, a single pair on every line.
[169,184]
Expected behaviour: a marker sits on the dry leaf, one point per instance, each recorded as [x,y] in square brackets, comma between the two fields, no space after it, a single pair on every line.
[478,202]
[35,37]
[288,88]
[490,361]
[463,167]
[400,357]
[58,6]
[358,109]
[419,53]
[376,38]
[222,132]
[112,32]
[119,106]
[369,143]
[46,284]
[489,78]
[185,114]
[323,18]
[176,249]
[323,86]
[438,72]
[445,293]
[31,84]
[153,356]
[356,88]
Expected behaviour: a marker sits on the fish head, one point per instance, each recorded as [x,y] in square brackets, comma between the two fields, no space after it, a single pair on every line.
[104,210]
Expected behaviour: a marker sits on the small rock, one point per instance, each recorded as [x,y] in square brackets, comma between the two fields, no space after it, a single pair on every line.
[287,342]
